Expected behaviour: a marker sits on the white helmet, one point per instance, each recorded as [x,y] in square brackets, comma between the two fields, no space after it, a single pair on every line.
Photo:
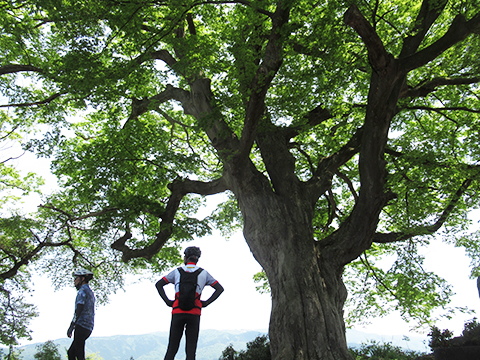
[83,272]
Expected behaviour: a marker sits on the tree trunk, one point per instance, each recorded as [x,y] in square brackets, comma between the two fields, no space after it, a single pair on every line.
[307,308]
[305,275]
[307,289]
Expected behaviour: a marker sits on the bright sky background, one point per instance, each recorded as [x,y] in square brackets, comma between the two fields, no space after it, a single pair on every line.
[140,310]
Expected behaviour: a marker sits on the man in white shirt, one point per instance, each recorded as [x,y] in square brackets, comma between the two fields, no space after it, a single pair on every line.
[187,317]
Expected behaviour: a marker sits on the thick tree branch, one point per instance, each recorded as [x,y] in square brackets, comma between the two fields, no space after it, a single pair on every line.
[165,56]
[11,69]
[428,87]
[383,238]
[313,118]
[327,167]
[179,189]
[271,62]
[198,104]
[187,186]
[271,140]
[191,25]
[429,12]
[377,55]
[355,234]
[140,107]
[305,50]
[458,31]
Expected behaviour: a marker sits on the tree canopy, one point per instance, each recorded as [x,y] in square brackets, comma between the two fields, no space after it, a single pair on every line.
[343,132]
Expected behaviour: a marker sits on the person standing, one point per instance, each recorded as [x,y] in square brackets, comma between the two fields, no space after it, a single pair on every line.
[478,285]
[82,323]
[182,318]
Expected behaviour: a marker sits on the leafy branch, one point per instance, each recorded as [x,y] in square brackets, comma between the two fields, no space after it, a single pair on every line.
[385,238]
[426,87]
[179,188]
[35,103]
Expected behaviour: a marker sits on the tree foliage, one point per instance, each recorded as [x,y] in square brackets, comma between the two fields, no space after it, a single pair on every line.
[384,351]
[343,132]
[13,354]
[15,311]
[257,349]
[47,351]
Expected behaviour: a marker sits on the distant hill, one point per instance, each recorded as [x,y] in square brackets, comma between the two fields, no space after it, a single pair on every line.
[210,344]
[153,346]
[417,343]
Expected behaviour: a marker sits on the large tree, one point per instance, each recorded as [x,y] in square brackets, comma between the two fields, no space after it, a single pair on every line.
[340,130]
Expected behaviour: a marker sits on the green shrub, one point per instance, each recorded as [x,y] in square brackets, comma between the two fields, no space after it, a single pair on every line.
[471,332]
[383,351]
[47,351]
[439,338]
[470,336]
[257,349]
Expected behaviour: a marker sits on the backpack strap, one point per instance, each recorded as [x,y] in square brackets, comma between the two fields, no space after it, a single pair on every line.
[197,272]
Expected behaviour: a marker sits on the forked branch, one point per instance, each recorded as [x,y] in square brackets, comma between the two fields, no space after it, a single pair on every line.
[179,189]
[377,54]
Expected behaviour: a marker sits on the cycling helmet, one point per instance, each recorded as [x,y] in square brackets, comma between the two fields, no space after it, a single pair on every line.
[192,251]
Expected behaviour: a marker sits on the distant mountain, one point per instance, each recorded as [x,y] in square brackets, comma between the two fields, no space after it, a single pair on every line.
[417,343]
[211,343]
[153,346]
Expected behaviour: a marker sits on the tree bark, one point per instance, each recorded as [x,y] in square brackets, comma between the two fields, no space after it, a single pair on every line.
[307,315]
[306,284]
[307,306]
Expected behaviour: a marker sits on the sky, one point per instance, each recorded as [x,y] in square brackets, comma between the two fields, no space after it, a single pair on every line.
[140,310]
